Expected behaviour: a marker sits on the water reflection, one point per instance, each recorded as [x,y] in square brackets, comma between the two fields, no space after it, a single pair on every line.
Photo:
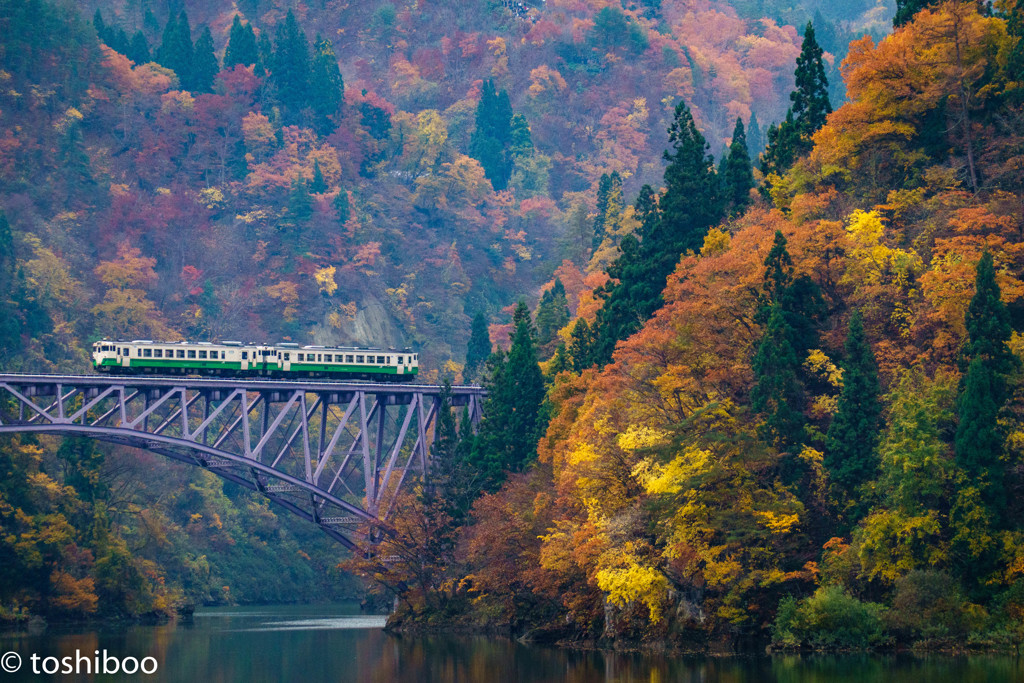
[310,644]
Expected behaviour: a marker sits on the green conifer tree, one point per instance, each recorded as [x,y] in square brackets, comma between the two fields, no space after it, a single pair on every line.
[810,99]
[264,55]
[326,87]
[341,207]
[782,149]
[318,185]
[906,9]
[10,326]
[138,49]
[552,313]
[778,394]
[581,346]
[204,63]
[175,51]
[560,361]
[479,348]
[241,47]
[492,137]
[290,70]
[738,175]
[513,421]
[979,437]
[604,186]
[850,456]
[755,140]
[300,203]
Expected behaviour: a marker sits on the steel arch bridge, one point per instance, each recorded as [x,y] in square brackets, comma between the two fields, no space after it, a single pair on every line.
[334,453]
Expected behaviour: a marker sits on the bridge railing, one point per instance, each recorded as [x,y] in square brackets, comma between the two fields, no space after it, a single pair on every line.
[337,454]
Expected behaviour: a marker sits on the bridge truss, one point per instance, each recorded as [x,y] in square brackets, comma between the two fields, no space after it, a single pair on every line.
[334,453]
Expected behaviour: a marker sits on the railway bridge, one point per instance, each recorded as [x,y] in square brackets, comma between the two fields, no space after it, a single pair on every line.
[334,453]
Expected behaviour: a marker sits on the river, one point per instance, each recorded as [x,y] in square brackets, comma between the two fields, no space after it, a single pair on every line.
[308,644]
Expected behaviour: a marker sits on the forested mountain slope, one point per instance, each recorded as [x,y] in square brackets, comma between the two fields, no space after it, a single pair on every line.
[809,432]
[323,172]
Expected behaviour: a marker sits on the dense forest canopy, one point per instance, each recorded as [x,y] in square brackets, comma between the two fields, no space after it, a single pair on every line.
[750,272]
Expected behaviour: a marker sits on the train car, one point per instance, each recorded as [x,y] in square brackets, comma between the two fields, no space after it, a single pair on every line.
[238,359]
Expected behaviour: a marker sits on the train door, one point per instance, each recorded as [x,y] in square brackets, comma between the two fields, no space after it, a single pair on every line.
[284,360]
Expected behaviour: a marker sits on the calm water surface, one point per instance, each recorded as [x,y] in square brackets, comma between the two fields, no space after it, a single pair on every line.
[336,643]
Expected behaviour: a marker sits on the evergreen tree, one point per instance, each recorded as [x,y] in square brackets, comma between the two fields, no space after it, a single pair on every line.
[906,9]
[783,147]
[560,361]
[10,328]
[692,203]
[264,55]
[300,203]
[326,88]
[341,207]
[1014,15]
[175,51]
[810,99]
[737,175]
[755,141]
[581,346]
[479,347]
[318,185]
[451,485]
[979,438]
[778,393]
[850,443]
[552,313]
[520,139]
[290,68]
[800,299]
[204,63]
[138,49]
[241,47]
[604,186]
[513,421]
[99,25]
[492,137]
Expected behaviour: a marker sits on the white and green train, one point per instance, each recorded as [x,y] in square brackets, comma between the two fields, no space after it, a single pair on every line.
[237,359]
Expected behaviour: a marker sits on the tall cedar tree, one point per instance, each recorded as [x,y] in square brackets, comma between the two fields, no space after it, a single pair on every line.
[241,47]
[9,326]
[850,443]
[778,394]
[738,175]
[604,189]
[691,205]
[513,422]
[317,185]
[810,99]
[289,71]
[479,347]
[138,49]
[800,298]
[451,483]
[492,137]
[979,439]
[326,87]
[175,51]
[811,106]
[755,141]
[204,63]
[552,313]
[341,207]
[581,346]
[906,9]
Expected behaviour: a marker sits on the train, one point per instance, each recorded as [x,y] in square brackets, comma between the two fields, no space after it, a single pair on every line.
[238,359]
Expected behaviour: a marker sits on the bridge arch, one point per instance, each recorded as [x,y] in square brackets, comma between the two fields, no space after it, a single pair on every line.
[335,454]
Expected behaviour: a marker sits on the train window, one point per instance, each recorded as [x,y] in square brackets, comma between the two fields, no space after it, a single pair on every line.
[180,353]
[380,360]
[223,355]
[147,353]
[245,355]
[191,353]
[389,360]
[300,356]
[327,358]
[401,360]
[348,359]
[202,353]
[158,353]
[287,356]
[359,359]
